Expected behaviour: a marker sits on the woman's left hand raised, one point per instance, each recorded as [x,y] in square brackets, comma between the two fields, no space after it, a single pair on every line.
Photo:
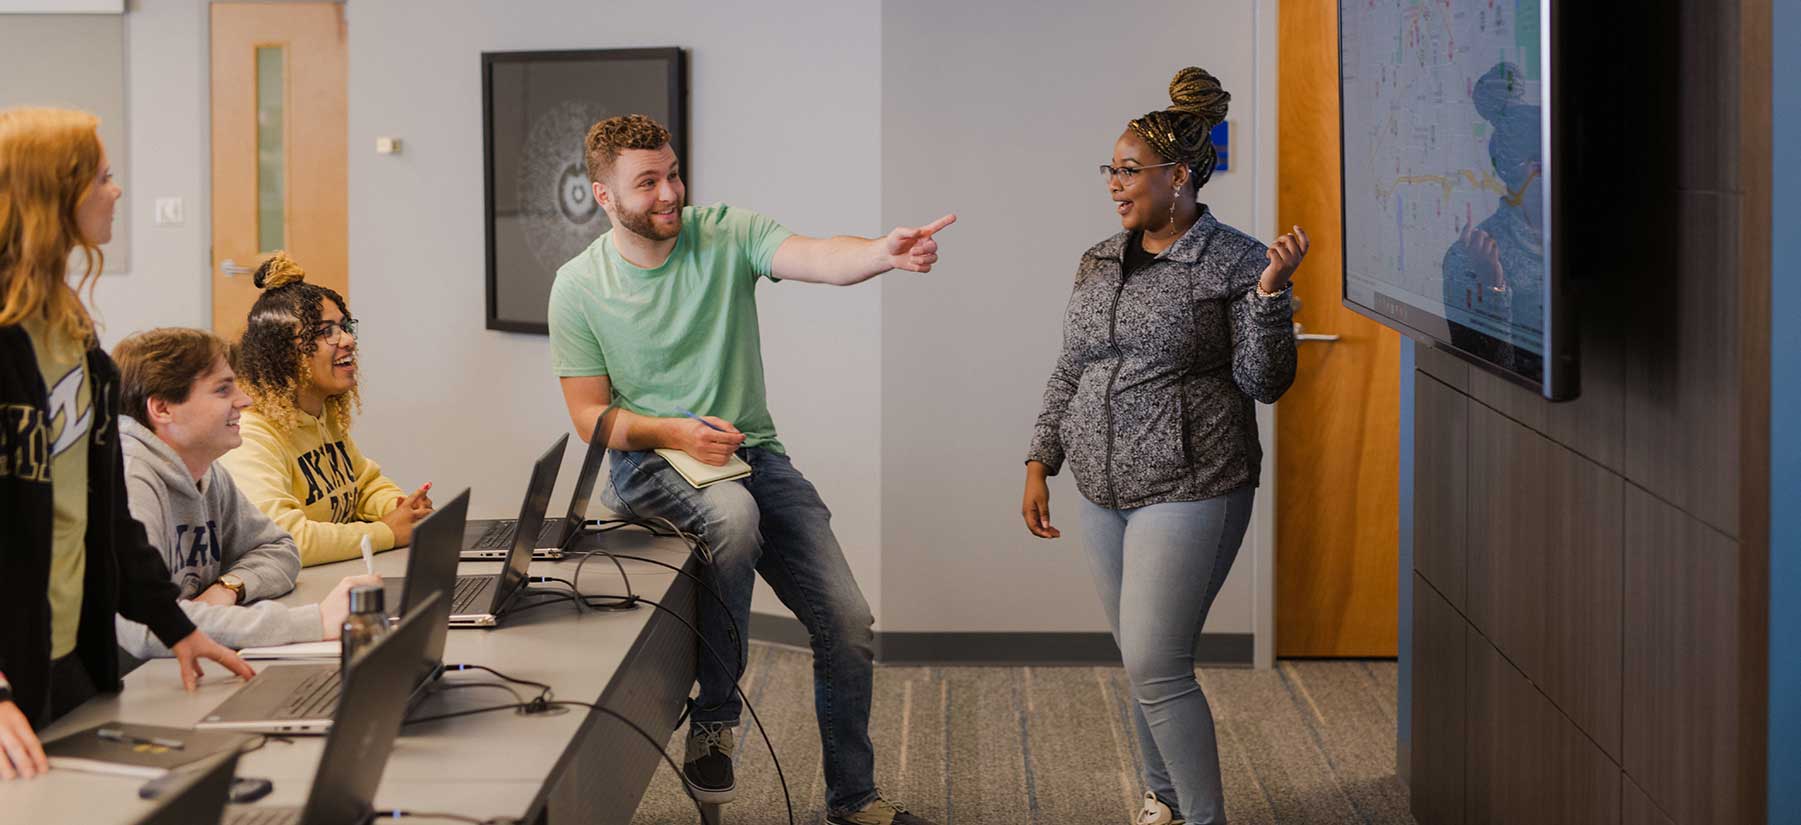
[1284,258]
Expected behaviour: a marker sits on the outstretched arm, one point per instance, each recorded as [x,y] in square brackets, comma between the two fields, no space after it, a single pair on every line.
[846,260]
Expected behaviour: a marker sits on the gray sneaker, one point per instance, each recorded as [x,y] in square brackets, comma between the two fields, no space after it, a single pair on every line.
[708,764]
[878,812]
[1155,812]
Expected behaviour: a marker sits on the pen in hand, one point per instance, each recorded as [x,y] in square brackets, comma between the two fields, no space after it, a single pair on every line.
[690,414]
[369,555]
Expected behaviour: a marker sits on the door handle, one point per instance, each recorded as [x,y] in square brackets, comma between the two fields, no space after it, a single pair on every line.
[1300,336]
[232,269]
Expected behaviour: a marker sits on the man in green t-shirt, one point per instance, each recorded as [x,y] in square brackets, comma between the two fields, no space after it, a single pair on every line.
[658,318]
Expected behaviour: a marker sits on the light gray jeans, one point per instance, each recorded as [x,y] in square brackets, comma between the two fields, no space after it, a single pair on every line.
[1158,569]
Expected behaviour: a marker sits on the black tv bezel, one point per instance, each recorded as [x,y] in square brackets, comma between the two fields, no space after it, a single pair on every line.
[1559,375]
[676,73]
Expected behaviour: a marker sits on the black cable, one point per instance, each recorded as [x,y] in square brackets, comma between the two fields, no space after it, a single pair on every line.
[737,640]
[538,707]
[736,634]
[786,799]
[544,692]
[631,598]
[467,685]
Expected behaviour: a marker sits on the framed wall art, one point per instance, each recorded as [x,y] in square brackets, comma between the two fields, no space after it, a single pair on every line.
[537,108]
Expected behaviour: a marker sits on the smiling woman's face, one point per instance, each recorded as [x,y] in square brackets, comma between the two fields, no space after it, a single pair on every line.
[1142,198]
[333,365]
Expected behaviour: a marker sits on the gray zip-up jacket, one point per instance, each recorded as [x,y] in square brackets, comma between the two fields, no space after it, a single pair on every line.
[204,530]
[1151,399]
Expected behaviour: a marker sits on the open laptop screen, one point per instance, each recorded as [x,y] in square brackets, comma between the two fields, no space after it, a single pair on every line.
[531,518]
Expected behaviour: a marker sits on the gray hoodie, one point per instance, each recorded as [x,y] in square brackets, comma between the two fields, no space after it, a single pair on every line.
[204,530]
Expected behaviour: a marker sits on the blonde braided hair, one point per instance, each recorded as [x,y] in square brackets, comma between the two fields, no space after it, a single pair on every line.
[1184,132]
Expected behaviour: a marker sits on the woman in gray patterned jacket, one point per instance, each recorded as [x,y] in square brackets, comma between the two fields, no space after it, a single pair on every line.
[1176,325]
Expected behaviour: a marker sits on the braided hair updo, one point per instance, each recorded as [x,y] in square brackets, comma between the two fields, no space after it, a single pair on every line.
[274,356]
[1184,132]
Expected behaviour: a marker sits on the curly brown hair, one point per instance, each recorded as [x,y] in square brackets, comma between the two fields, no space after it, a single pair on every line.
[272,359]
[614,135]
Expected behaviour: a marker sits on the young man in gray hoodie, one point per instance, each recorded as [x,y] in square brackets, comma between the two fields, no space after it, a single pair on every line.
[181,402]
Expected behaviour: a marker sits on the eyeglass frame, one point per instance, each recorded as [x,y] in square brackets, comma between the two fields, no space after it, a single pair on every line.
[333,329]
[1109,171]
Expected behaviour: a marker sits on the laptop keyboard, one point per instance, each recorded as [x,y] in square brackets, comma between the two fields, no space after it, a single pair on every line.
[260,816]
[498,534]
[468,589]
[314,698]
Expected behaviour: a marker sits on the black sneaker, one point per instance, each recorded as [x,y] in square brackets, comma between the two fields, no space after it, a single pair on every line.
[879,811]
[708,765]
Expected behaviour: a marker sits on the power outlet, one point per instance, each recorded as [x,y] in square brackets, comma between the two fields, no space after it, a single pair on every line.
[168,212]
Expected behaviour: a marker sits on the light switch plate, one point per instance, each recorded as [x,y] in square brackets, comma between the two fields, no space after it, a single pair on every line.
[168,212]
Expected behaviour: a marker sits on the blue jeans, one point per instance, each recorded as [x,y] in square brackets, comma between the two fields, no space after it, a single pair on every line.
[1158,569]
[772,523]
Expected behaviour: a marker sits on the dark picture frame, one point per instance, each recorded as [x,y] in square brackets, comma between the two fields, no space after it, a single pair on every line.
[537,209]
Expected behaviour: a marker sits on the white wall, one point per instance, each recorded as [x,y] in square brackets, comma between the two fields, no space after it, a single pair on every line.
[166,108]
[1003,112]
[784,119]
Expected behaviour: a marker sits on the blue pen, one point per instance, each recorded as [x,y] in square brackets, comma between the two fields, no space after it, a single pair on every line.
[690,414]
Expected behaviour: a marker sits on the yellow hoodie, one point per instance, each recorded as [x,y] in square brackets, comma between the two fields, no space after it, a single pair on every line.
[315,483]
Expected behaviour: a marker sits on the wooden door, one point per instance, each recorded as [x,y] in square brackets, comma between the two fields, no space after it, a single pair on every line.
[279,147]
[1337,452]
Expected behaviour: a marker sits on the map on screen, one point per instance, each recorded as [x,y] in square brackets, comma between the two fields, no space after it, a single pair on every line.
[1444,167]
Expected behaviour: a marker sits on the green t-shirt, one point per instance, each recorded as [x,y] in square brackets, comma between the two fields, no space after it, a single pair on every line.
[682,335]
[62,361]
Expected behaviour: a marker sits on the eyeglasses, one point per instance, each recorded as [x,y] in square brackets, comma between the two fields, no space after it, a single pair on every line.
[328,330]
[1127,173]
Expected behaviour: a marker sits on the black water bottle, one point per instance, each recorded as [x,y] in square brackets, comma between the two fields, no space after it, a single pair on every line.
[366,622]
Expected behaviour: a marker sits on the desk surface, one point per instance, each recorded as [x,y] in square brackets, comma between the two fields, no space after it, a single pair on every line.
[486,765]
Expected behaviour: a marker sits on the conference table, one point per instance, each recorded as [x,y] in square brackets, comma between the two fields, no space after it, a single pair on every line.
[577,767]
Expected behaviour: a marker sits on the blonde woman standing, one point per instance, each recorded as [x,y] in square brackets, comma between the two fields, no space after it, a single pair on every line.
[71,556]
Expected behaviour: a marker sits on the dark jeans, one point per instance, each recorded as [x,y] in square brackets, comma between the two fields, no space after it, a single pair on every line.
[774,524]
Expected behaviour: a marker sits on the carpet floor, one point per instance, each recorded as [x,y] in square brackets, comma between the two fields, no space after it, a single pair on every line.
[1306,742]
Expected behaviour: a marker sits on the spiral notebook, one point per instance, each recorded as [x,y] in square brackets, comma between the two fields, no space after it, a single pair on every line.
[699,473]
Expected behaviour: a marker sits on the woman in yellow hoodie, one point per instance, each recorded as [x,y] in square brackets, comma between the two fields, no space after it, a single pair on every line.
[298,464]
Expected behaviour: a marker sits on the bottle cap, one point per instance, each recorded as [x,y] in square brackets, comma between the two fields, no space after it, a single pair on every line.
[366,599]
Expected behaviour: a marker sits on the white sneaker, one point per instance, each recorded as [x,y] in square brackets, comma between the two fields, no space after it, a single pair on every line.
[1155,812]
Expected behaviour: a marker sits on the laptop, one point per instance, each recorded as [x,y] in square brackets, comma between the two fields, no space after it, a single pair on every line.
[479,600]
[199,795]
[302,698]
[431,567]
[368,721]
[490,539]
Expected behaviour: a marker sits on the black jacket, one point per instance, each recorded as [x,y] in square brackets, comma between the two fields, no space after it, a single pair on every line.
[125,575]
[1151,399]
